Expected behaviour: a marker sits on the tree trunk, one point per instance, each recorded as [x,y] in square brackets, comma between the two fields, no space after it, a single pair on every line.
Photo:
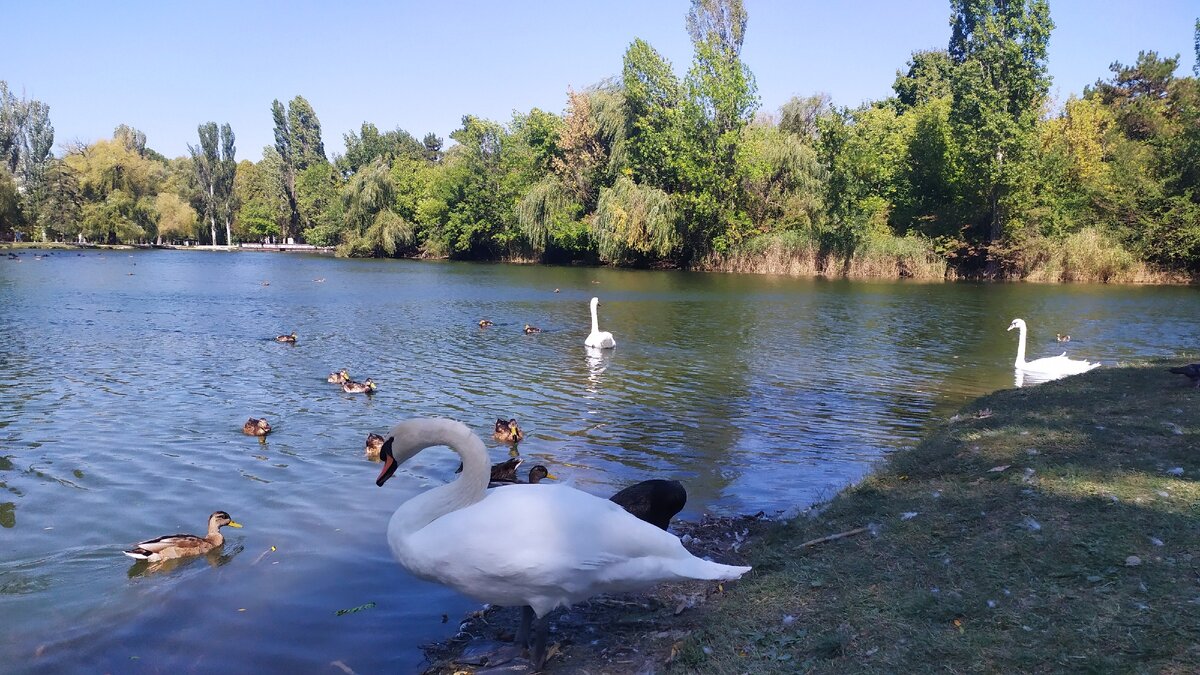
[228,233]
[212,216]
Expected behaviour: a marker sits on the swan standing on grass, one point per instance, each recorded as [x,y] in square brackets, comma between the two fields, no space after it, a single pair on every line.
[584,544]
[598,339]
[1051,366]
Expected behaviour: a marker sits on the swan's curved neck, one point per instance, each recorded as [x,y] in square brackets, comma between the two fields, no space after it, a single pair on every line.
[595,322]
[1020,347]
[411,437]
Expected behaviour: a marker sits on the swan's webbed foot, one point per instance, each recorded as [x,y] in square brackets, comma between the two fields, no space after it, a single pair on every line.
[526,621]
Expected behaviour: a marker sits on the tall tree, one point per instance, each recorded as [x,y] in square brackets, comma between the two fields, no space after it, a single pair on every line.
[37,143]
[298,142]
[11,114]
[999,83]
[215,167]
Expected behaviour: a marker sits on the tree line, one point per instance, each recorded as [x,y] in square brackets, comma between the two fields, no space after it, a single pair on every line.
[968,162]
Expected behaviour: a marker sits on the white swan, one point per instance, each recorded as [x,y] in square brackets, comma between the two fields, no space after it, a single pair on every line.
[597,338]
[581,544]
[1051,366]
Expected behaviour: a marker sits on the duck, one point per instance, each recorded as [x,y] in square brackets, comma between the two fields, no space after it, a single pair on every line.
[537,474]
[256,427]
[352,387]
[286,338]
[1051,366]
[655,501]
[1192,370]
[598,339]
[502,472]
[1062,338]
[339,377]
[374,443]
[508,432]
[484,323]
[183,545]
[530,330]
[586,544]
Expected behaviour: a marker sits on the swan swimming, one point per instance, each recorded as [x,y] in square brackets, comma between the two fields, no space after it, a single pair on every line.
[1051,366]
[585,544]
[597,338]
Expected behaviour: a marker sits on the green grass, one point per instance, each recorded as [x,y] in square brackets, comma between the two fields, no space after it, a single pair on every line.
[1016,569]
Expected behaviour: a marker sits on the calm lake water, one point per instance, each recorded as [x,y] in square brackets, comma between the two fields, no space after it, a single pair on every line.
[127,378]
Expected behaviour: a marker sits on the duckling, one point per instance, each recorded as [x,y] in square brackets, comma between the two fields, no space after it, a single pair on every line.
[352,387]
[1192,370]
[1062,338]
[507,432]
[374,445]
[530,330]
[484,323]
[286,338]
[256,427]
[654,501]
[339,377]
[181,545]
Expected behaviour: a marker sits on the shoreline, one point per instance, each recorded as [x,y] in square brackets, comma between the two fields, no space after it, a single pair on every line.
[1039,529]
[764,267]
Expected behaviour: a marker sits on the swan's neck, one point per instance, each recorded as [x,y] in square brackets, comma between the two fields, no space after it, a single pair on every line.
[595,322]
[1021,347]
[468,488]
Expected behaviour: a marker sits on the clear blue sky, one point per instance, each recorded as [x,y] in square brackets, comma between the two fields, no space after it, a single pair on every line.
[165,67]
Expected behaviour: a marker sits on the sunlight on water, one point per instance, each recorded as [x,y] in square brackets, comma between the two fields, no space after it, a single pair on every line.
[121,414]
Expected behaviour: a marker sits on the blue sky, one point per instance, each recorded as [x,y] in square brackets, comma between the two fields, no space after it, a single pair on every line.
[165,67]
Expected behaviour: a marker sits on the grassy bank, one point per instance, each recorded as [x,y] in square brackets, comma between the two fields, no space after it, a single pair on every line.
[793,254]
[1042,529]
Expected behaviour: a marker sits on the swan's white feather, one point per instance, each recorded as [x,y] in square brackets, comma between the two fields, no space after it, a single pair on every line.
[598,339]
[1050,366]
[573,545]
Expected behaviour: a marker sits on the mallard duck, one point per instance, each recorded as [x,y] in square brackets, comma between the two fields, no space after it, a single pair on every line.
[484,323]
[339,377]
[585,545]
[536,475]
[530,330]
[1192,370]
[655,501]
[502,472]
[352,387]
[507,432]
[286,338]
[256,427]
[181,545]
[373,446]
[1062,338]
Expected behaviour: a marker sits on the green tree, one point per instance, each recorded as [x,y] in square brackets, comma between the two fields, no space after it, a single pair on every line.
[998,86]
[63,204]
[928,78]
[176,219]
[299,145]
[37,144]
[368,145]
[259,196]
[10,211]
[800,115]
[215,167]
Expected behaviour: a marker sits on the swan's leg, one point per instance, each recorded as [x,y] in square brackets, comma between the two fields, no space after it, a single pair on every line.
[538,655]
[523,631]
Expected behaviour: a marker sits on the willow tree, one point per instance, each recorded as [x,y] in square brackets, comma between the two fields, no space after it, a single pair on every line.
[998,85]
[369,199]
[635,222]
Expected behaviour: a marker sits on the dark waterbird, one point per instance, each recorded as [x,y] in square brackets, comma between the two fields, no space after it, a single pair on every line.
[1192,370]
[655,501]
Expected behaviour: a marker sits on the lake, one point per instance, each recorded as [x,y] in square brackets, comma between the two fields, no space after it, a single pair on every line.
[128,375]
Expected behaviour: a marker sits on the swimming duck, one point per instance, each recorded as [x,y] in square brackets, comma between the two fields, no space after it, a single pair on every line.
[339,377]
[502,472]
[655,501]
[586,545]
[1192,370]
[256,427]
[530,330]
[484,323]
[508,432]
[374,443]
[286,338]
[537,474]
[1062,338]
[352,387]
[181,545]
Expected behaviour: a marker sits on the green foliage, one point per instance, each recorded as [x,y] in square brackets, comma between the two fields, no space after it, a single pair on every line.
[928,78]
[175,218]
[634,222]
[10,212]
[783,179]
[258,192]
[318,201]
[369,145]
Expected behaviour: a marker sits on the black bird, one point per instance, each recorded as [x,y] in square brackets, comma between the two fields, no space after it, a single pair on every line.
[1192,370]
[654,501]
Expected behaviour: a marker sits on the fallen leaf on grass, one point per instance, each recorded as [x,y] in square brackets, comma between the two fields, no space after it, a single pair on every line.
[997,469]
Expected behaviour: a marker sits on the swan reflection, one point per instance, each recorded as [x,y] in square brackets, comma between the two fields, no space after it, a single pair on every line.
[597,363]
